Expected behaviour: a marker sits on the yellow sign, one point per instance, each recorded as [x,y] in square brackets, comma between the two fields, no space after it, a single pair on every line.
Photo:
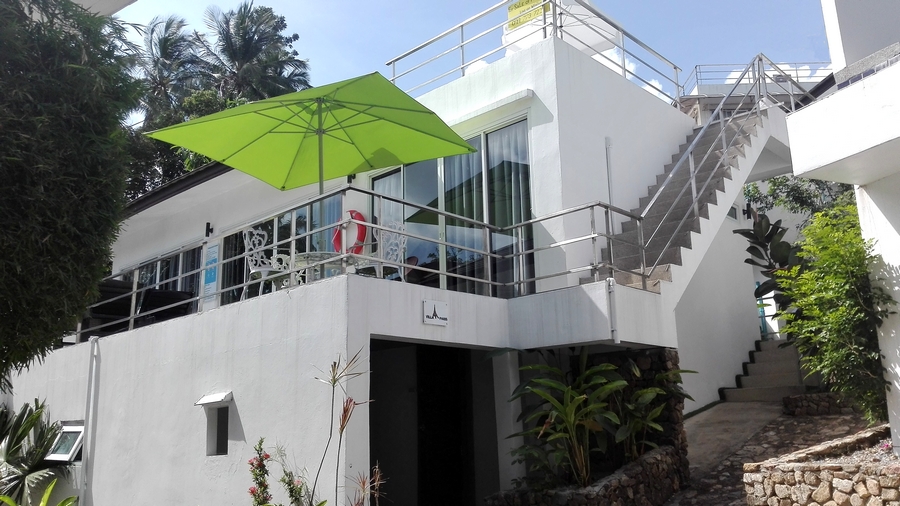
[524,11]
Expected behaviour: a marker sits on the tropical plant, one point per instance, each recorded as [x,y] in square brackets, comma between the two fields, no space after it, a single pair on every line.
[167,66]
[772,253]
[249,57]
[639,412]
[45,498]
[66,89]
[569,416]
[836,309]
[26,437]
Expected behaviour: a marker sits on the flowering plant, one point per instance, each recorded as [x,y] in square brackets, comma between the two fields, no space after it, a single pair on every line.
[259,492]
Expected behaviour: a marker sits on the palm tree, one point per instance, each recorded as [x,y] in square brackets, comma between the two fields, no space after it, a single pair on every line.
[26,438]
[250,58]
[168,66]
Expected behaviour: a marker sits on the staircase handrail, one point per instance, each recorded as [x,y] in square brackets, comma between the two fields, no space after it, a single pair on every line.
[757,89]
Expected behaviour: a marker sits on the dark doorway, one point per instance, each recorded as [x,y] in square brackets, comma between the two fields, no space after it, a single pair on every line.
[432,424]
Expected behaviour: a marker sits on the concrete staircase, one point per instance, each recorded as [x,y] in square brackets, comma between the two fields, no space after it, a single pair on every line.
[772,373]
[670,208]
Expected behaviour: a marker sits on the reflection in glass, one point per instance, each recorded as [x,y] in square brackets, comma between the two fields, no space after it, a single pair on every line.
[464,195]
[509,203]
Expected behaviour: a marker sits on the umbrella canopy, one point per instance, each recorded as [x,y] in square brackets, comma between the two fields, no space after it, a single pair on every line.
[320,133]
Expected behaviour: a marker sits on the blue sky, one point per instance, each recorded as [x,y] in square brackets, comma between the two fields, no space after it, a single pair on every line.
[345,38]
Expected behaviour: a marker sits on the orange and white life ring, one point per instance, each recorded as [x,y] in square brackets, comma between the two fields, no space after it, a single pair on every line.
[357,247]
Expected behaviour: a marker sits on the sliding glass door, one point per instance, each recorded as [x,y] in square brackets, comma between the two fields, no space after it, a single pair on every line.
[457,185]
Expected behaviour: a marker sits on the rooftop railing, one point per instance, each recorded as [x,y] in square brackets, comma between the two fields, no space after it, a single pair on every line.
[513,24]
[806,73]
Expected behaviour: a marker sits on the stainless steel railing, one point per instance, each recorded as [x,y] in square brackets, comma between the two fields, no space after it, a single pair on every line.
[514,246]
[479,40]
[701,76]
[755,96]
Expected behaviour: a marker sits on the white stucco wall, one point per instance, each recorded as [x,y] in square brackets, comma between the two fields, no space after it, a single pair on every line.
[716,319]
[852,135]
[879,216]
[149,440]
[857,28]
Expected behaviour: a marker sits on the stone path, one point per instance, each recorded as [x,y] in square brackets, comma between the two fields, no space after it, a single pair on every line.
[722,486]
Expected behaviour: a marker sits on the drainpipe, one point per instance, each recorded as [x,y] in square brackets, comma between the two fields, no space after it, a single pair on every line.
[611,301]
[89,402]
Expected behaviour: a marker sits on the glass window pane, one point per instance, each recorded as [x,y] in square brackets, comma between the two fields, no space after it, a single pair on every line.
[421,187]
[464,195]
[509,197]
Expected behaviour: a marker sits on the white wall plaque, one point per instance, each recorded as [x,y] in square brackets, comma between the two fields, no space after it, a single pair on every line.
[435,313]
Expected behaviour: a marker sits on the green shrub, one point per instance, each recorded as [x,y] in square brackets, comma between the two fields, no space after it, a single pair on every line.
[836,309]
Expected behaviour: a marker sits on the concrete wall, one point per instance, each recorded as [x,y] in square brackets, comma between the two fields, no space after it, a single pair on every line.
[857,28]
[716,318]
[149,441]
[852,135]
[879,216]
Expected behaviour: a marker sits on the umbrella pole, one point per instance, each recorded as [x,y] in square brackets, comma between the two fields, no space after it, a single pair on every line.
[320,134]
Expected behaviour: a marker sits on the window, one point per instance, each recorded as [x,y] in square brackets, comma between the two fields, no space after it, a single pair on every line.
[217,421]
[67,447]
[217,431]
[179,272]
[457,185]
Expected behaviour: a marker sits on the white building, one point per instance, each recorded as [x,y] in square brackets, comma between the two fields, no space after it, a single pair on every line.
[508,247]
[852,135]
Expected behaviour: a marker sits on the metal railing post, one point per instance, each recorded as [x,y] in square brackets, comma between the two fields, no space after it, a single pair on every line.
[609,242]
[520,242]
[134,288]
[595,262]
[679,90]
[643,255]
[462,51]
[622,60]
[693,169]
[488,275]
[554,13]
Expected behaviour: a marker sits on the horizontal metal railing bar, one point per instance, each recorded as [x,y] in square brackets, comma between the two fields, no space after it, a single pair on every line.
[626,33]
[443,34]
[463,44]
[458,67]
[625,69]
[569,210]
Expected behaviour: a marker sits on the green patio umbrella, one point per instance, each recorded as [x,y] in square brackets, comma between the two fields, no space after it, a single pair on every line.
[320,133]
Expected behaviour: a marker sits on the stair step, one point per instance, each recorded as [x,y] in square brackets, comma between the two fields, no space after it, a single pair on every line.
[770,344]
[776,355]
[760,394]
[784,379]
[778,367]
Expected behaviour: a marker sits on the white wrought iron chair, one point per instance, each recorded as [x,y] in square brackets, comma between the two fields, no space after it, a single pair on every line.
[255,256]
[391,243]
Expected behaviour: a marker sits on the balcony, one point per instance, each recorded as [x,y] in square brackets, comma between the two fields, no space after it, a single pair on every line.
[851,136]
[325,237]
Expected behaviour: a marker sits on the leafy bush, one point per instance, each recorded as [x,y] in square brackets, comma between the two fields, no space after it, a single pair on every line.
[770,252]
[582,411]
[570,417]
[836,309]
[65,90]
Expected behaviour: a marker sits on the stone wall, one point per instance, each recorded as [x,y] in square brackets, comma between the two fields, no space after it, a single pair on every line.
[649,481]
[817,404]
[805,478]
